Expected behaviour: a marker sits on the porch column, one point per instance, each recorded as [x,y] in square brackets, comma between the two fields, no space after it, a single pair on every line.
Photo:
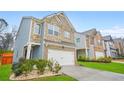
[86,52]
[28,51]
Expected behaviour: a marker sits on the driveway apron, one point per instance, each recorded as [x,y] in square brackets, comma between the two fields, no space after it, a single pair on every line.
[87,74]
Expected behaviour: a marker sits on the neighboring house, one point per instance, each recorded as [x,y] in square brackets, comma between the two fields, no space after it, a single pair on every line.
[109,47]
[49,38]
[119,44]
[89,44]
[80,44]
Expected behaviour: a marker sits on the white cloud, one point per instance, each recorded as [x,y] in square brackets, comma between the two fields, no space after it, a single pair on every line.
[116,31]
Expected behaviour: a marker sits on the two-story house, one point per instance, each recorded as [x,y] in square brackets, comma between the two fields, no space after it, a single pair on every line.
[89,44]
[109,47]
[119,45]
[49,38]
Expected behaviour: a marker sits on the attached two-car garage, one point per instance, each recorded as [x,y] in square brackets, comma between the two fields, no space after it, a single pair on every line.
[62,57]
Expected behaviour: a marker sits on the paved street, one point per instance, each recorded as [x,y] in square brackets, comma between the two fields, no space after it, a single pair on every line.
[87,74]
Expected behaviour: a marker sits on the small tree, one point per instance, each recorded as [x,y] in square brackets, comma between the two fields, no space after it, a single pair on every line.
[7,41]
[3,25]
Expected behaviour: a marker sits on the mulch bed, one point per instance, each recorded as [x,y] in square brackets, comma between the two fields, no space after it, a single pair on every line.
[32,75]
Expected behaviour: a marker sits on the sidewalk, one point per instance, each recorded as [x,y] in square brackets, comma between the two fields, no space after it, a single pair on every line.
[117,62]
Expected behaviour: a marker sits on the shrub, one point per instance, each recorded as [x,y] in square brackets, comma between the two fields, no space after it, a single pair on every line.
[104,59]
[83,58]
[57,67]
[50,65]
[41,65]
[27,66]
[108,59]
[16,69]
[21,60]
[23,66]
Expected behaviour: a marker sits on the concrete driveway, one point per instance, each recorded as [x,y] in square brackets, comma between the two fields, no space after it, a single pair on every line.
[88,74]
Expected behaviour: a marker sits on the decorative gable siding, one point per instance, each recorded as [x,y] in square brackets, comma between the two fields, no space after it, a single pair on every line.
[99,43]
[63,25]
[36,38]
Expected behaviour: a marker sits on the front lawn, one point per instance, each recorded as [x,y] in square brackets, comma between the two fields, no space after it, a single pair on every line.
[56,78]
[5,71]
[113,67]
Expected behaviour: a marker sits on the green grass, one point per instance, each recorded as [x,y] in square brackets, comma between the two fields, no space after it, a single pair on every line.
[113,67]
[56,78]
[5,71]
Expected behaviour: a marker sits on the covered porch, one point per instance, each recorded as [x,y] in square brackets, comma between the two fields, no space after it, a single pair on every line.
[82,52]
[31,51]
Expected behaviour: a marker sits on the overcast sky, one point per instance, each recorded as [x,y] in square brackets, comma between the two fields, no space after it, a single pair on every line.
[106,22]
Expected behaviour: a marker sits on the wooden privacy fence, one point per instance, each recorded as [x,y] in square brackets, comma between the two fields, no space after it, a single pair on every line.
[6,58]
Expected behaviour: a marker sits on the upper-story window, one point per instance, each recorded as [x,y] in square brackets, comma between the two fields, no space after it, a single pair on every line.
[78,40]
[36,28]
[50,29]
[53,30]
[99,42]
[56,31]
[66,34]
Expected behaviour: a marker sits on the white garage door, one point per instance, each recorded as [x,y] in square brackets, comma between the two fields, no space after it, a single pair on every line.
[62,57]
[99,54]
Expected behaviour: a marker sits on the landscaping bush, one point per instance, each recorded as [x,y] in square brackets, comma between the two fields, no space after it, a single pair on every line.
[27,66]
[23,66]
[104,59]
[21,60]
[118,57]
[50,65]
[101,59]
[57,67]
[16,69]
[41,65]
[83,58]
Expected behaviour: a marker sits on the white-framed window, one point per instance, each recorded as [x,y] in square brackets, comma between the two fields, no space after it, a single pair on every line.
[56,31]
[78,40]
[36,28]
[99,42]
[50,29]
[66,34]
[53,30]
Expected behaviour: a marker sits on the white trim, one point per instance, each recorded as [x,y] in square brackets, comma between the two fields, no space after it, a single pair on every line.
[32,43]
[67,35]
[29,38]
[58,45]
[28,51]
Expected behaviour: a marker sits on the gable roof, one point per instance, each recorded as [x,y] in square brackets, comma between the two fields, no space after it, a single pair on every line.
[108,38]
[90,32]
[60,13]
[25,17]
